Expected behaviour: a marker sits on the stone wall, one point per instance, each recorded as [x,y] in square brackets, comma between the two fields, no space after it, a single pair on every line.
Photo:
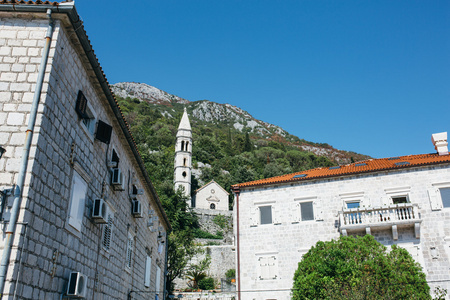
[62,145]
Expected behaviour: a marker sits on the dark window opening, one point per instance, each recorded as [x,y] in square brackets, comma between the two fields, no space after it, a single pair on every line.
[187,144]
[184,162]
[115,157]
[398,200]
[182,145]
[184,174]
[212,206]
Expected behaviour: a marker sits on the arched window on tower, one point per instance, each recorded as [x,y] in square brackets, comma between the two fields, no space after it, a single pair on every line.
[184,162]
[182,145]
[187,144]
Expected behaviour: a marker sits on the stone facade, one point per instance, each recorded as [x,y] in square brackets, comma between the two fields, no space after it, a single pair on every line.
[53,239]
[269,253]
[212,196]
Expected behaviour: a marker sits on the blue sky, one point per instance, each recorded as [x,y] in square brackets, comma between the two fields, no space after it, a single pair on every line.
[366,76]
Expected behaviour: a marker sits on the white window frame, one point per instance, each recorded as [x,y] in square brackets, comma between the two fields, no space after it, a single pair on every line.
[296,211]
[435,197]
[77,201]
[148,271]
[397,192]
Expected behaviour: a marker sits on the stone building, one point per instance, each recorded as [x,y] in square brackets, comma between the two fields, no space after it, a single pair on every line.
[212,196]
[79,214]
[401,200]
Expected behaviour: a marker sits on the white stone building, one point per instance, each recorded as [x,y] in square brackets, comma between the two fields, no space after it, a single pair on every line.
[399,200]
[211,196]
[77,198]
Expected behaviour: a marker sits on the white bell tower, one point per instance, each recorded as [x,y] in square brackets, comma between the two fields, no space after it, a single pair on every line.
[183,156]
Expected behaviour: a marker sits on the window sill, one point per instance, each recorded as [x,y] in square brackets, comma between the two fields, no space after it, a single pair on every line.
[72,230]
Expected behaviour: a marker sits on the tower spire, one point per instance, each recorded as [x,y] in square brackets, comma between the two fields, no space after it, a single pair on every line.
[183,156]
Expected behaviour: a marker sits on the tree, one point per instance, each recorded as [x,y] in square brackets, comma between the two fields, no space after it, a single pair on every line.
[358,268]
[197,272]
[181,246]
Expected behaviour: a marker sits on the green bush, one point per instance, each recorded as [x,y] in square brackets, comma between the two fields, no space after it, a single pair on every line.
[206,283]
[230,274]
[358,268]
[201,234]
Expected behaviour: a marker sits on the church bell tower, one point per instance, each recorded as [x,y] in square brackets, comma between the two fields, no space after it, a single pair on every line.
[183,156]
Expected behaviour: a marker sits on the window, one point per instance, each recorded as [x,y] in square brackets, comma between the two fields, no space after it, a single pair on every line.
[86,113]
[130,250]
[354,217]
[187,144]
[445,196]
[77,201]
[107,233]
[267,267]
[307,211]
[212,206]
[401,199]
[265,214]
[182,145]
[148,271]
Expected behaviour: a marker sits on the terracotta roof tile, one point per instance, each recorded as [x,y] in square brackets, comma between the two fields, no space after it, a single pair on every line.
[367,166]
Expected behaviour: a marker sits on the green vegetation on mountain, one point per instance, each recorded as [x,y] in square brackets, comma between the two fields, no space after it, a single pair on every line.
[224,153]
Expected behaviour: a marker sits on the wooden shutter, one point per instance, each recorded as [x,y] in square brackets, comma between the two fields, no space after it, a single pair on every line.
[433,194]
[148,271]
[104,132]
[81,105]
[294,212]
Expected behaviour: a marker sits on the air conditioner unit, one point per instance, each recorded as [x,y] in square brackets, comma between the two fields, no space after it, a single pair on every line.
[100,211]
[77,285]
[136,209]
[117,179]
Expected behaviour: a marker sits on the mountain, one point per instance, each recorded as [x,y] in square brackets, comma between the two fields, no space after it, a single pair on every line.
[209,112]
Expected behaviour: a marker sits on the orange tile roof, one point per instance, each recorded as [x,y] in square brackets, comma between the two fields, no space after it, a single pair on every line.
[367,166]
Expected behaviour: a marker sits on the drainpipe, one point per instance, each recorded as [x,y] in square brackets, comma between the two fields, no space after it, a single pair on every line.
[165,292]
[236,192]
[25,155]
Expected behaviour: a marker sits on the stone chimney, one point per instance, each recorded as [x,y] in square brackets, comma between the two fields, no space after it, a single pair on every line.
[440,142]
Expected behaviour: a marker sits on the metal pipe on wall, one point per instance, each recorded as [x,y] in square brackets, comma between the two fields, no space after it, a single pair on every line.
[25,155]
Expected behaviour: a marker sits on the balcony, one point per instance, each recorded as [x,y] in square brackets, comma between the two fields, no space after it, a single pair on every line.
[393,217]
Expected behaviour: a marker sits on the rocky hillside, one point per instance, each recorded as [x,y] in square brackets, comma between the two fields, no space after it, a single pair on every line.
[206,111]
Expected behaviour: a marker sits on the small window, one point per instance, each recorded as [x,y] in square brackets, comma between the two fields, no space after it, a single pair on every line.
[353,204]
[107,233]
[187,144]
[445,196]
[307,211]
[115,157]
[77,201]
[130,245]
[184,162]
[212,206]
[265,214]
[182,145]
[148,271]
[184,174]
[398,200]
